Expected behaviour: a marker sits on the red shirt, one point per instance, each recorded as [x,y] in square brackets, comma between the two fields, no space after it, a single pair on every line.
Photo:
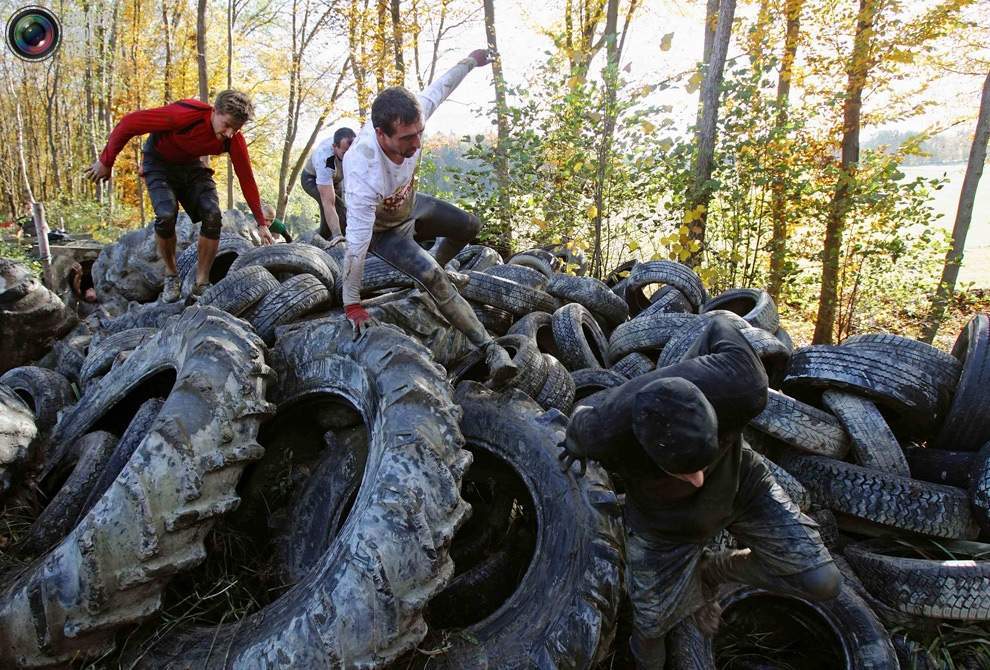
[182,136]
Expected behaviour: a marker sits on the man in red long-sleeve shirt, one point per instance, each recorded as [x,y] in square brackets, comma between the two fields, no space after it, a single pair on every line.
[180,133]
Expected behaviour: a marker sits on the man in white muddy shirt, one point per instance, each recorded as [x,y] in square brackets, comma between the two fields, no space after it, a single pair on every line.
[386,216]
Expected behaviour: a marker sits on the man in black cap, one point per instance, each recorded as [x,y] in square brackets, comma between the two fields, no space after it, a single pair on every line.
[674,436]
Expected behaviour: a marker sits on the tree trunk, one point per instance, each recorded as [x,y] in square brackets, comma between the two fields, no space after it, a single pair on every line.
[859,68]
[19,126]
[231,17]
[711,21]
[400,65]
[51,110]
[700,194]
[611,81]
[204,81]
[778,202]
[503,234]
[964,214]
[382,47]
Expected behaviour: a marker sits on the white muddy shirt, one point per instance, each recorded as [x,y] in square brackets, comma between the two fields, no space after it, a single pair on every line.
[380,193]
[319,163]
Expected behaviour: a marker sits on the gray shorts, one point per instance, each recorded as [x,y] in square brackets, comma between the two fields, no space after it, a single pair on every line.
[663,579]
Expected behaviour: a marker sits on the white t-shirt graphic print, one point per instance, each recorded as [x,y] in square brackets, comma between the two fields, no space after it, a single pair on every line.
[380,194]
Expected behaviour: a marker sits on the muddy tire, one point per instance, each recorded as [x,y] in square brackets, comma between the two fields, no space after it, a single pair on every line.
[109,571]
[391,554]
[668,300]
[884,500]
[153,315]
[671,273]
[520,274]
[379,276]
[537,326]
[507,295]
[228,250]
[593,294]
[580,339]
[979,488]
[872,441]
[292,259]
[633,365]
[17,432]
[967,424]
[862,638]
[794,489]
[806,428]
[646,334]
[46,392]
[240,289]
[563,612]
[477,257]
[773,353]
[943,367]
[102,356]
[754,305]
[294,299]
[29,324]
[592,380]
[956,589]
[954,468]
[558,389]
[542,261]
[532,365]
[495,320]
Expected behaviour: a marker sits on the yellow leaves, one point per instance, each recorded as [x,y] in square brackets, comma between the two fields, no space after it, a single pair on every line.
[573,83]
[900,56]
[592,211]
[666,41]
[683,255]
[694,82]
[633,246]
[538,222]
[693,214]
[647,127]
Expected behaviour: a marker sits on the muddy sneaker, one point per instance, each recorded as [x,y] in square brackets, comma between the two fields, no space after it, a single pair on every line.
[500,365]
[170,293]
[198,290]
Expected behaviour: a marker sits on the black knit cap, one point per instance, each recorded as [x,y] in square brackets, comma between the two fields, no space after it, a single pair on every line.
[676,425]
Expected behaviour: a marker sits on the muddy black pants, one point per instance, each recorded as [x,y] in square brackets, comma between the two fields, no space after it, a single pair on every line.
[188,184]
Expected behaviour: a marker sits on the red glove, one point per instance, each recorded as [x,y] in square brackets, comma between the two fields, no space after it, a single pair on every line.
[359,318]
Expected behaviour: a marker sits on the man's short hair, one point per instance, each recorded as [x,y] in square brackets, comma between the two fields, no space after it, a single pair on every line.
[235,104]
[343,134]
[394,104]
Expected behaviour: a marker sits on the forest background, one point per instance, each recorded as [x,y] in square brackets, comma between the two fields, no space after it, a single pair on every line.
[723,135]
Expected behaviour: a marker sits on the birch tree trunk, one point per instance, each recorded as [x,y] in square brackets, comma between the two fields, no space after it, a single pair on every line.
[964,215]
[859,67]
[503,234]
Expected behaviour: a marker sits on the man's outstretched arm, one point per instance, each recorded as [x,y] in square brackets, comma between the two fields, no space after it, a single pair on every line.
[444,85]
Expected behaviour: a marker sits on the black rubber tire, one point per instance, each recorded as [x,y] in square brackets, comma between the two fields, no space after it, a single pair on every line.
[496,321]
[897,385]
[558,389]
[101,357]
[507,295]
[542,261]
[806,428]
[891,618]
[294,259]
[942,366]
[668,300]
[883,499]
[532,366]
[563,612]
[580,339]
[17,432]
[379,276]
[773,353]
[967,424]
[229,248]
[671,273]
[681,343]
[633,365]
[619,274]
[63,511]
[593,294]
[520,274]
[240,289]
[954,468]
[152,315]
[537,326]
[69,360]
[785,338]
[46,392]
[295,298]
[571,261]
[752,304]
[872,441]
[109,571]
[957,589]
[646,334]
[828,527]
[391,555]
[979,488]
[794,489]
[477,257]
[589,381]
[864,640]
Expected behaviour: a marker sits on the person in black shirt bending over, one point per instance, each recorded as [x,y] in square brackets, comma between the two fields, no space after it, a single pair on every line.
[674,436]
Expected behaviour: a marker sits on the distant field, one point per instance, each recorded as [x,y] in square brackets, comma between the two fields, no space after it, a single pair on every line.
[976,264]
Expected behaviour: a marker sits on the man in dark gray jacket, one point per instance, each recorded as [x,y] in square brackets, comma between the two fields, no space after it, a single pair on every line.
[674,436]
